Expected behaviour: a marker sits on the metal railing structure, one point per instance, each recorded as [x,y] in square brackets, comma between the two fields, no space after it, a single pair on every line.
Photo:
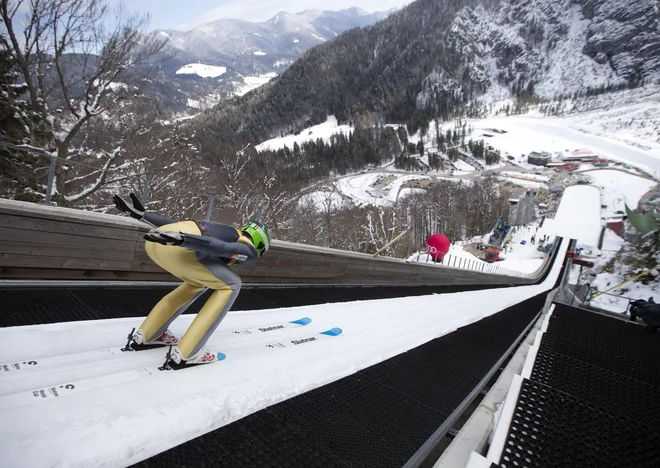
[454,261]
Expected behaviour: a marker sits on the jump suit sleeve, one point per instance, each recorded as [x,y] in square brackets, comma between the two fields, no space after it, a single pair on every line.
[242,253]
[157,220]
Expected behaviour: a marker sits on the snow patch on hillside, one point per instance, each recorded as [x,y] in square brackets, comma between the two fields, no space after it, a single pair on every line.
[282,63]
[204,71]
[323,131]
[252,82]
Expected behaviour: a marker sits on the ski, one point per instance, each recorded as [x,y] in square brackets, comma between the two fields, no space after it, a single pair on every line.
[52,392]
[30,364]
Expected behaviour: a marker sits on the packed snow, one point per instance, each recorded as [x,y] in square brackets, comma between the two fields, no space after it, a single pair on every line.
[194,103]
[525,176]
[631,116]
[618,187]
[580,219]
[357,188]
[323,131]
[555,135]
[204,71]
[463,166]
[252,82]
[259,52]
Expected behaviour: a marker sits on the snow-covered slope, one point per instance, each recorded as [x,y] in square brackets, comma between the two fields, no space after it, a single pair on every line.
[201,70]
[324,131]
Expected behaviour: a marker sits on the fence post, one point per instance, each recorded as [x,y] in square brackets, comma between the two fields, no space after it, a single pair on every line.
[293,230]
[259,214]
[209,211]
[348,236]
[51,177]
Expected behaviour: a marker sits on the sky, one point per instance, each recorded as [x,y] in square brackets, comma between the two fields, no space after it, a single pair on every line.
[174,14]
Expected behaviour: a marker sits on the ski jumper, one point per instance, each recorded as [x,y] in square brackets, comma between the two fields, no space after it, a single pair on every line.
[201,262]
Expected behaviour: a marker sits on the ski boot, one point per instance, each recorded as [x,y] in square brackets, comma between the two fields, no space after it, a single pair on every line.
[174,359]
[136,341]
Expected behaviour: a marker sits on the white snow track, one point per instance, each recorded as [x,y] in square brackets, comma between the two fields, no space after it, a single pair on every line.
[129,421]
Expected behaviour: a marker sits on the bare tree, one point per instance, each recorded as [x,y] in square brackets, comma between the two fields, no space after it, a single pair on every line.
[248,191]
[72,63]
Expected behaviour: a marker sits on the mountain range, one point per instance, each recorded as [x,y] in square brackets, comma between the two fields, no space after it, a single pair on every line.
[258,48]
[441,58]
[231,56]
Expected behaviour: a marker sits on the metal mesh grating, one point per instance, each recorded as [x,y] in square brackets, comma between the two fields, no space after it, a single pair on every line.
[604,333]
[29,306]
[592,397]
[553,429]
[598,386]
[258,438]
[631,365]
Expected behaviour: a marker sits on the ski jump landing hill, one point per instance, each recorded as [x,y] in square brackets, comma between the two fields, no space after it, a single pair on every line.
[359,383]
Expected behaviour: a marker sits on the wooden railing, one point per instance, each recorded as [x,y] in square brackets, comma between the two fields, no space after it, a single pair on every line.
[53,243]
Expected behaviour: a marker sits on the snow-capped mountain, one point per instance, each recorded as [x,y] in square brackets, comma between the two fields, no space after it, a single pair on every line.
[442,58]
[257,48]
[553,48]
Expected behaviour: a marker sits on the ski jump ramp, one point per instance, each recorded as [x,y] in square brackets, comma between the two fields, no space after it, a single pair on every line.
[74,401]
[100,408]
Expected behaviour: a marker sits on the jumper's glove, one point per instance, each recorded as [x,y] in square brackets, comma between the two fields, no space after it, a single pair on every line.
[136,211]
[165,237]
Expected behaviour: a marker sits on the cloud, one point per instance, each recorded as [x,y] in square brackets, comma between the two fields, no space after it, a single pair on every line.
[262,10]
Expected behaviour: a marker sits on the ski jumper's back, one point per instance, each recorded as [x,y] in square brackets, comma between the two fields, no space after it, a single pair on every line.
[201,262]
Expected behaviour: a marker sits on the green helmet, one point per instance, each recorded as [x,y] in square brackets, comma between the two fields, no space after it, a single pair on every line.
[259,235]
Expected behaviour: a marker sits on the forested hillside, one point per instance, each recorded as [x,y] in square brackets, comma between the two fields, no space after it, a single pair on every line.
[439,58]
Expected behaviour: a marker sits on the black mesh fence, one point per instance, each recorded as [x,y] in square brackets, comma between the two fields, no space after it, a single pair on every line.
[592,398]
[40,305]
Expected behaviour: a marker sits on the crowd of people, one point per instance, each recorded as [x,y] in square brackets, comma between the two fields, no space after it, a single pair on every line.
[499,232]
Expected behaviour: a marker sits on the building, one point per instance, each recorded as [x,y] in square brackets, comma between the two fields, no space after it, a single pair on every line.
[580,155]
[539,159]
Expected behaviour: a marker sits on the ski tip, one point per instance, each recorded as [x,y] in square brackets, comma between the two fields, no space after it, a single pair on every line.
[222,356]
[333,332]
[302,321]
